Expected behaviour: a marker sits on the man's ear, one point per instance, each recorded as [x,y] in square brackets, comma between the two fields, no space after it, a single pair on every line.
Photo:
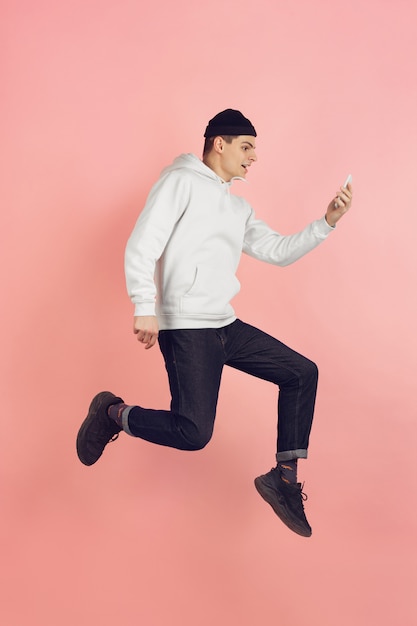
[218,144]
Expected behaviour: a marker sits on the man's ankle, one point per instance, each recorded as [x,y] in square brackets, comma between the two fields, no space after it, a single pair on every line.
[115,412]
[288,471]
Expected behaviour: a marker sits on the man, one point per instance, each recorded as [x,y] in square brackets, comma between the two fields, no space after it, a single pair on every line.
[180,263]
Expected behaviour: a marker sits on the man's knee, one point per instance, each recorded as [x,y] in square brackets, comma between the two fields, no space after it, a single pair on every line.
[311,370]
[305,373]
[198,439]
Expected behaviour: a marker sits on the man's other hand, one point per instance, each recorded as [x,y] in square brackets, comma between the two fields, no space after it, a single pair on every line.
[146,329]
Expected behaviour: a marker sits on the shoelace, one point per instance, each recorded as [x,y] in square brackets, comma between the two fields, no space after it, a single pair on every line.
[304,496]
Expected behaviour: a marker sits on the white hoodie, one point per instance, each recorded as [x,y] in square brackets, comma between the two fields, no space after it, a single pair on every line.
[182,256]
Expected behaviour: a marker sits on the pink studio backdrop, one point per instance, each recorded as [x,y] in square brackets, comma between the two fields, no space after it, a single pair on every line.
[96,98]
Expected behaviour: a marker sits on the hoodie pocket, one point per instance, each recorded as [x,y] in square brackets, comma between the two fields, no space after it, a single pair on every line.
[210,293]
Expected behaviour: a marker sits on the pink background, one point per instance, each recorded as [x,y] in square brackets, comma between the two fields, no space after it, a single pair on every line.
[97,96]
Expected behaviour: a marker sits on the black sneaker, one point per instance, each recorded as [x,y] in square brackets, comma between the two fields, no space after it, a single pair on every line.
[286,499]
[97,429]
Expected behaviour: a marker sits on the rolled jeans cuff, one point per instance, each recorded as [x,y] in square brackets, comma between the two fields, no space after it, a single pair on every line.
[289,455]
[125,420]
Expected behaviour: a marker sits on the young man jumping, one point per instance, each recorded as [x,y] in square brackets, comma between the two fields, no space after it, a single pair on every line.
[181,261]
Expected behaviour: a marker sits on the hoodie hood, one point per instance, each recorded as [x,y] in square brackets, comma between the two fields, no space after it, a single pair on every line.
[190,161]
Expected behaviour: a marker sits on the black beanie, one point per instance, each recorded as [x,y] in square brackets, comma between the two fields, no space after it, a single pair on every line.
[229,122]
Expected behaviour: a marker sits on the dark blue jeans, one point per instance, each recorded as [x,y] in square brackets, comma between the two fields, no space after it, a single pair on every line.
[194,360]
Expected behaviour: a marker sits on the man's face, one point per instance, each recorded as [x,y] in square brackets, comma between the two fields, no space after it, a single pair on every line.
[237,157]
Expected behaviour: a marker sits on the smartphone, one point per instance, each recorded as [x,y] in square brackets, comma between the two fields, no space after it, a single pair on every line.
[347,181]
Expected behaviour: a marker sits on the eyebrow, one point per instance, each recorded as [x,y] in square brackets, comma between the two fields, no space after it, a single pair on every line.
[249,143]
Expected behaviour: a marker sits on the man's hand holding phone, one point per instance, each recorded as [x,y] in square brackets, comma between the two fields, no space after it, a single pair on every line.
[340,204]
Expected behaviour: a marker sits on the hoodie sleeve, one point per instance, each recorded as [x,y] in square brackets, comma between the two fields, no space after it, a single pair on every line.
[267,245]
[164,207]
